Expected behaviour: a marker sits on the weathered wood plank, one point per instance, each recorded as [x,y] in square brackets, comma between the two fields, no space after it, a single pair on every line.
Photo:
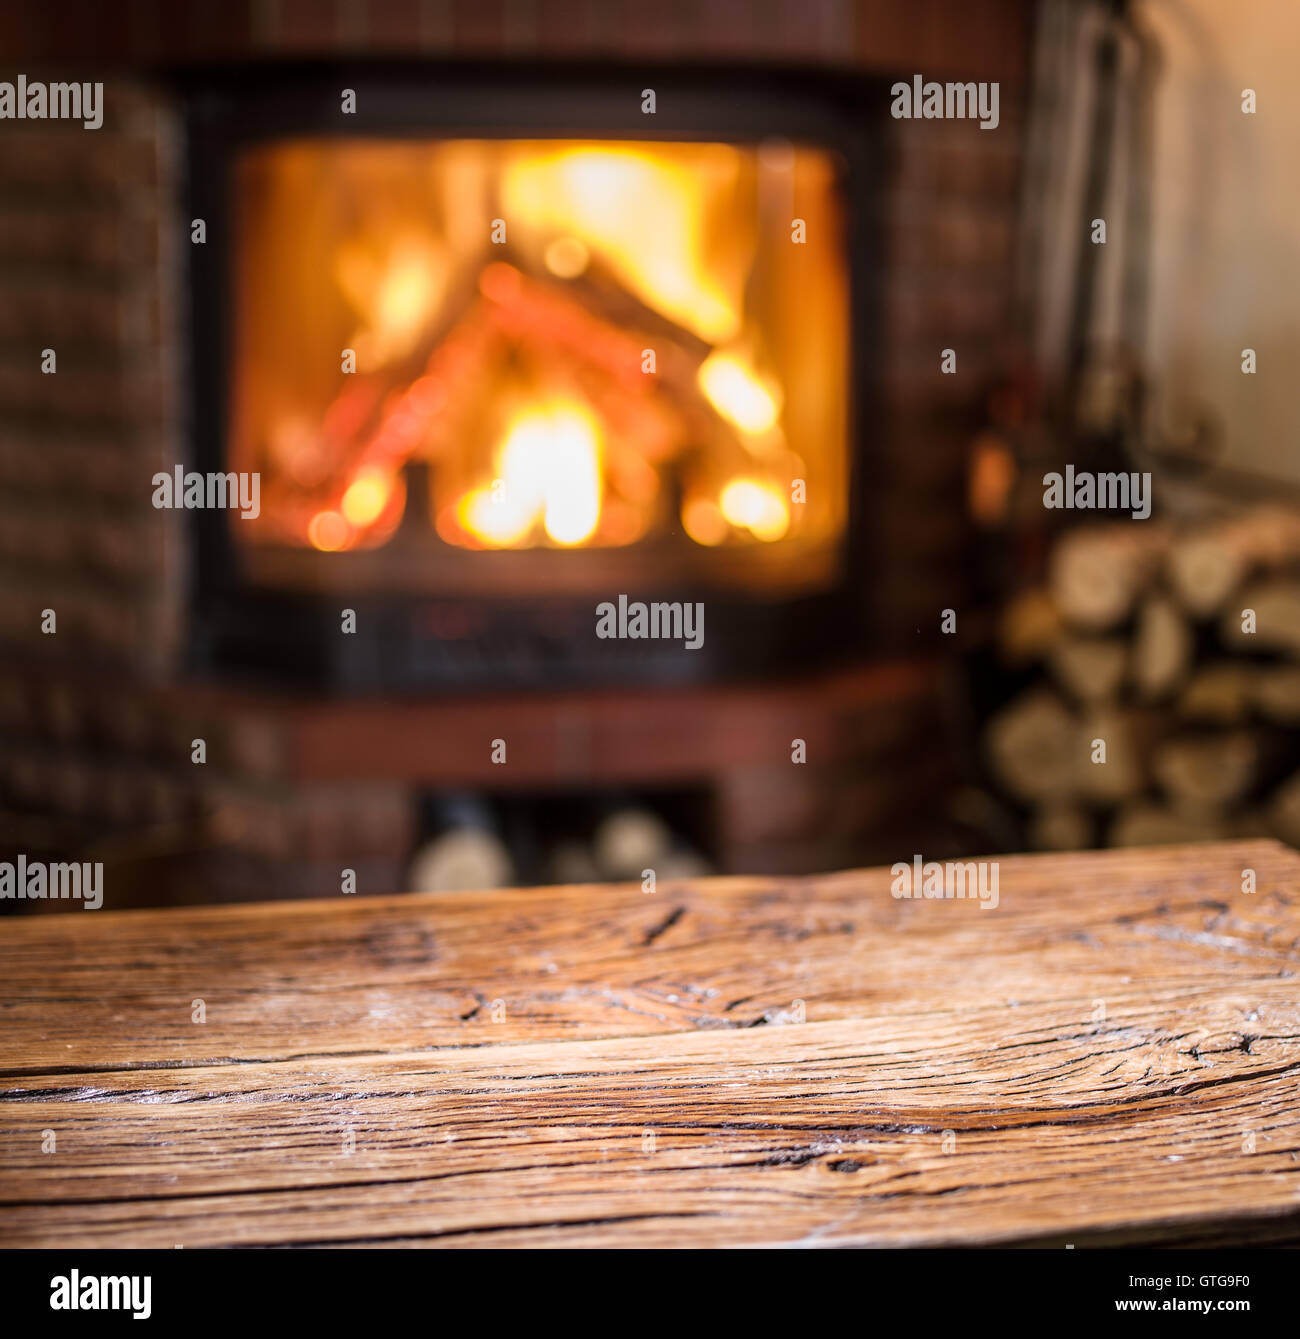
[826,1131]
[1112,1054]
[97,990]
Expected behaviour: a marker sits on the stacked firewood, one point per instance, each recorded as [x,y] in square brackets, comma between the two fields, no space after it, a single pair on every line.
[1165,699]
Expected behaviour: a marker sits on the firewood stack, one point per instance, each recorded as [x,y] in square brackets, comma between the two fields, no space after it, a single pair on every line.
[1141,639]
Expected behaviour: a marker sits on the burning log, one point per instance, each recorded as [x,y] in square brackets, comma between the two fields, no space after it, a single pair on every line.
[594,320]
[582,338]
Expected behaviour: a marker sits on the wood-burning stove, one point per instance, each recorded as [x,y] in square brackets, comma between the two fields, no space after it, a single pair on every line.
[505,347]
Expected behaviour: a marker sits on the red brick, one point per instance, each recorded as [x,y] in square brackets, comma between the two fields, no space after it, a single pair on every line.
[395,26]
[478,26]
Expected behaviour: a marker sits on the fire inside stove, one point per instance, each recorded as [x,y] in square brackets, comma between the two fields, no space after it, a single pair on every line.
[468,345]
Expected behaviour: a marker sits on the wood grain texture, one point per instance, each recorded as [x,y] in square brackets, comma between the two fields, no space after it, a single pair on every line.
[1111,1054]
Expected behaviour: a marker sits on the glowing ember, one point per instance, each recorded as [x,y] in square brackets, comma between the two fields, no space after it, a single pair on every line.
[572,486]
[366,499]
[756,506]
[567,257]
[704,522]
[737,394]
[328,531]
[549,474]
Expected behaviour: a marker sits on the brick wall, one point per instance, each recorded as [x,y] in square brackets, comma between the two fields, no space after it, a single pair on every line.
[84,220]
[950,209]
[938,37]
[95,723]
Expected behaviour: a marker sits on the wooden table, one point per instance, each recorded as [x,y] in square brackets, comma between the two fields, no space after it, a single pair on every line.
[1110,1055]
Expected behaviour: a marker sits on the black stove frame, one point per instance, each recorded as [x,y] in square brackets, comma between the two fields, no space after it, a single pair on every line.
[237,629]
